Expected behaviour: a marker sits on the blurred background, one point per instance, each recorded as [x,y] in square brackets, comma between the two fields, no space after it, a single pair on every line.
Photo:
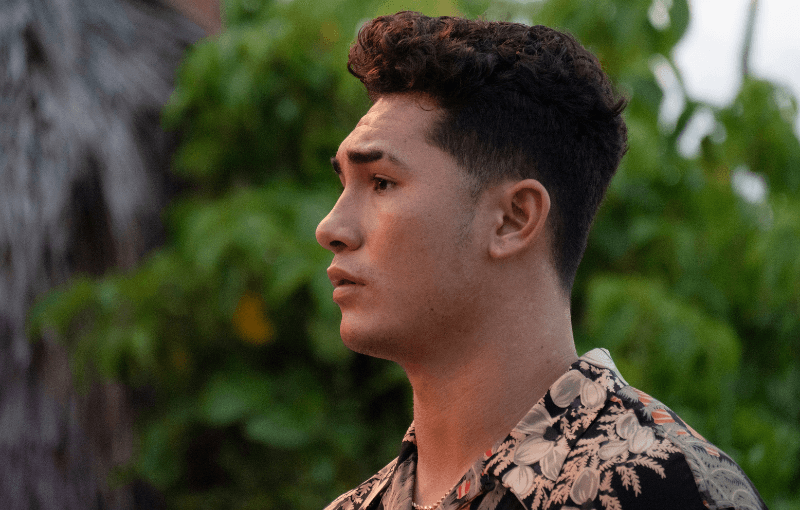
[167,335]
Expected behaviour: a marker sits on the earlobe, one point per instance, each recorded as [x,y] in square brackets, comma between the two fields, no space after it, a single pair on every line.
[523,209]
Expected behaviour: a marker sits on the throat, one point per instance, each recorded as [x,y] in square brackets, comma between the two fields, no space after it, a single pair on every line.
[428,491]
[452,433]
[460,415]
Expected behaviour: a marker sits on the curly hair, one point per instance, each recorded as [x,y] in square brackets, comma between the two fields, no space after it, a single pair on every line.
[516,102]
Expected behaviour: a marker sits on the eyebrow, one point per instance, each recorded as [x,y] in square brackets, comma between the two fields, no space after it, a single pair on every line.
[360,157]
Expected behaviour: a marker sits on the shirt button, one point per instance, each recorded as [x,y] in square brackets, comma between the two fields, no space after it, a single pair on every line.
[487,483]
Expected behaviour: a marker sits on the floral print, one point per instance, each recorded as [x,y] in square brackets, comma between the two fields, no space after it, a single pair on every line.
[592,442]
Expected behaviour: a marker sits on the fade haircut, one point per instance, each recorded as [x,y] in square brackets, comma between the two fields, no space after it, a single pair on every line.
[516,102]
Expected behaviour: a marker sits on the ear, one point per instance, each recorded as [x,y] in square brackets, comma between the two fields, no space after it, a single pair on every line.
[521,216]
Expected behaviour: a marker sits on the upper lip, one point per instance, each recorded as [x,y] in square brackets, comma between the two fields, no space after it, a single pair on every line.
[339,276]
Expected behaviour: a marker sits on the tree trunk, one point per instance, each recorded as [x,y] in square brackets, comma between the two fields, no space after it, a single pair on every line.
[83,178]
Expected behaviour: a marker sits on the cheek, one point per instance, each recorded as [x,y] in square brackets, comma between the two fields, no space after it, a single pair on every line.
[412,243]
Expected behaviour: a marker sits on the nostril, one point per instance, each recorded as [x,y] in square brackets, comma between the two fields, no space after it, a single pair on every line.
[336,232]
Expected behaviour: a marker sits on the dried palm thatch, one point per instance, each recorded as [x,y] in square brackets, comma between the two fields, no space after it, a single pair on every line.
[83,178]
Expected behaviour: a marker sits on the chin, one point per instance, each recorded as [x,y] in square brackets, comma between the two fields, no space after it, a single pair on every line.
[398,344]
[374,342]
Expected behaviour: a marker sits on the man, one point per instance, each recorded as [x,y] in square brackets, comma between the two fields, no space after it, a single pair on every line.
[469,190]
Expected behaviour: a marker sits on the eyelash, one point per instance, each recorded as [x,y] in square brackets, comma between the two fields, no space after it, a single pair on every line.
[378,182]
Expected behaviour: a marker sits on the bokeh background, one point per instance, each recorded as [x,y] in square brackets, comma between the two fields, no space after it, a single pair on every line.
[166,324]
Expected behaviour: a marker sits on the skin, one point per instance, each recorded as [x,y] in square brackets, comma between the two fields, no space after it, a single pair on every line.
[461,293]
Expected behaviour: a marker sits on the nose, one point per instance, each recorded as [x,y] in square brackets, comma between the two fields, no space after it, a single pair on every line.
[339,230]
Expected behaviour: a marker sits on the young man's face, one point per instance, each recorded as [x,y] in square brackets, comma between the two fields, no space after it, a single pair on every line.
[406,258]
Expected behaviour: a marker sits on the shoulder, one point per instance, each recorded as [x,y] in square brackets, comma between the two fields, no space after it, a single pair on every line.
[719,481]
[361,496]
[639,454]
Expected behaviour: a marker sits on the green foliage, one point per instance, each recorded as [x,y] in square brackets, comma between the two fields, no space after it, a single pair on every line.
[229,335]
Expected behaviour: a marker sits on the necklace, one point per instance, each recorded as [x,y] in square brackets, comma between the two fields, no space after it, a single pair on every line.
[435,505]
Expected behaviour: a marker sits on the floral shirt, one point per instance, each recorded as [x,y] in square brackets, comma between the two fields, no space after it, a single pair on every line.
[592,442]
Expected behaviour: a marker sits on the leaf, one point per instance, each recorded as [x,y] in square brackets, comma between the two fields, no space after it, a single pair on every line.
[278,428]
[233,395]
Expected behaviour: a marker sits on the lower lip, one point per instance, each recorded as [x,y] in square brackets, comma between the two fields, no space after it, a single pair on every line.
[343,291]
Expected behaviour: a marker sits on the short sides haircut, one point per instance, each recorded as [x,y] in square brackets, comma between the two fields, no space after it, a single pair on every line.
[517,102]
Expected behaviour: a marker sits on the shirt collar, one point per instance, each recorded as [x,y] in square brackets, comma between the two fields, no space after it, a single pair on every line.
[529,460]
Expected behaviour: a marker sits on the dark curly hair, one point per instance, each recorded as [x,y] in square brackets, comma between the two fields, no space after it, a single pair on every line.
[517,102]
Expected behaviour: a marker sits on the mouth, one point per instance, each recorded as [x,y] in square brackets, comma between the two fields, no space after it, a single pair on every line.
[345,286]
[341,278]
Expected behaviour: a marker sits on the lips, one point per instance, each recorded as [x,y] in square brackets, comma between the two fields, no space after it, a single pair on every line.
[339,277]
[346,286]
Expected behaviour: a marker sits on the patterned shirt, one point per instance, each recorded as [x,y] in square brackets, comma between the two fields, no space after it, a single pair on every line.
[592,442]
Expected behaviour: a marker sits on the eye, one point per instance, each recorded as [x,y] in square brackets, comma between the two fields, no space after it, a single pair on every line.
[381,184]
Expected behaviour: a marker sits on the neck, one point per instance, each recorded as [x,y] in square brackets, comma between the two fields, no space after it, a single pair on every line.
[465,403]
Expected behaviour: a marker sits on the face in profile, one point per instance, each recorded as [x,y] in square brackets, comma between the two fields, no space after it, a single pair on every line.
[406,259]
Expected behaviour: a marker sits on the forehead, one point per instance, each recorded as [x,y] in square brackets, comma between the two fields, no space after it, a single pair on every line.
[396,124]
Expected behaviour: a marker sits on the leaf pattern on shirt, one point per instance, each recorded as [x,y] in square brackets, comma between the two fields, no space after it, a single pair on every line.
[622,445]
[502,458]
[717,478]
[592,441]
[609,502]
